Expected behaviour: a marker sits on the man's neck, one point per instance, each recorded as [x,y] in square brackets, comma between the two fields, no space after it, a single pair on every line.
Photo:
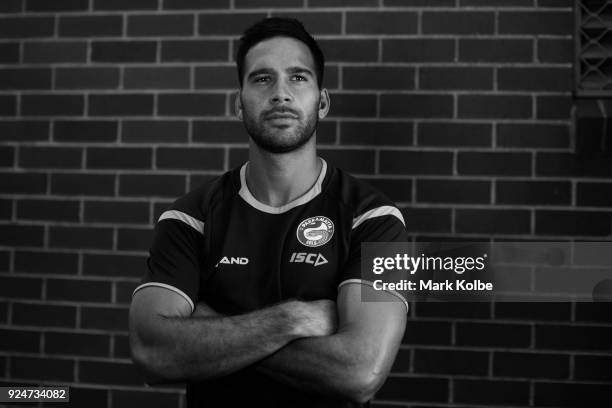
[278,179]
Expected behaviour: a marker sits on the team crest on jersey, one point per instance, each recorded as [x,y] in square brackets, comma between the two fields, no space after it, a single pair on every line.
[315,231]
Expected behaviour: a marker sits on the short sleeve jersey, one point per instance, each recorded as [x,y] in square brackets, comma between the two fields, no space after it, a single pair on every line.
[219,245]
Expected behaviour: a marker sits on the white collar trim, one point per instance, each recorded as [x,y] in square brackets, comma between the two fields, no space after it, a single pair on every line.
[314,191]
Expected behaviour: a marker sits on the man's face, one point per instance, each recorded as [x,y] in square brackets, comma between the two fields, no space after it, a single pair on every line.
[280,101]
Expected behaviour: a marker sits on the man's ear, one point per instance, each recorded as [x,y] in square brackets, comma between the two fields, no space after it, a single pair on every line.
[324,103]
[238,105]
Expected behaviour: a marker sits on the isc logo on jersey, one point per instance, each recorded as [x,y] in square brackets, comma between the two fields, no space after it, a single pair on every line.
[315,231]
[312,259]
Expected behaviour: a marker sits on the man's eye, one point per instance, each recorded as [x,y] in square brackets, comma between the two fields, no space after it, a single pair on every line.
[299,78]
[262,79]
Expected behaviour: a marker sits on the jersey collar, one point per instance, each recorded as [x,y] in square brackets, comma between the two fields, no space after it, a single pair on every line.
[314,191]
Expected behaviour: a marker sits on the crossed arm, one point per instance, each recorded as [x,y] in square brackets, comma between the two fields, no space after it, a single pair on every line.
[343,349]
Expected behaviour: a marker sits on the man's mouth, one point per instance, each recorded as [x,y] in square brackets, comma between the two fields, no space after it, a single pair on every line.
[278,115]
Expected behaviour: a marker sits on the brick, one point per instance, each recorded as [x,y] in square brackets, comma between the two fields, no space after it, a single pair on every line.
[6,210]
[389,78]
[493,335]
[77,344]
[25,78]
[3,316]
[342,3]
[414,389]
[151,185]
[376,133]
[20,340]
[349,50]
[134,239]
[226,24]
[573,337]
[426,332]
[427,219]
[395,189]
[326,132]
[594,194]
[44,262]
[104,318]
[83,184]
[556,51]
[8,105]
[194,4]
[220,77]
[224,131]
[124,104]
[530,365]
[491,392]
[451,134]
[593,312]
[85,131]
[419,3]
[555,3]
[54,210]
[99,372]
[416,105]
[26,27]
[11,6]
[124,291]
[353,105]
[533,311]
[114,265]
[118,158]
[156,78]
[52,105]
[9,53]
[451,362]
[494,163]
[21,288]
[268,3]
[553,107]
[534,135]
[123,51]
[117,211]
[535,79]
[594,368]
[23,183]
[573,222]
[572,395]
[415,162]
[122,347]
[495,106]
[443,78]
[453,191]
[78,290]
[189,158]
[50,157]
[54,52]
[155,131]
[191,104]
[81,237]
[88,397]
[566,164]
[65,5]
[21,235]
[86,78]
[90,26]
[44,315]
[495,50]
[7,156]
[496,3]
[122,5]
[123,399]
[536,22]
[381,22]
[352,161]
[418,50]
[453,310]
[237,157]
[458,22]
[24,130]
[533,192]
[194,50]
[160,25]
[46,368]
[316,23]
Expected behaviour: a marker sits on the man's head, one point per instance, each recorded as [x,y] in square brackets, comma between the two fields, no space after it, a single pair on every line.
[280,99]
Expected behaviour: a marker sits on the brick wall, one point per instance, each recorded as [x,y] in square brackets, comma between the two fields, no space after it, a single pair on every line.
[458,109]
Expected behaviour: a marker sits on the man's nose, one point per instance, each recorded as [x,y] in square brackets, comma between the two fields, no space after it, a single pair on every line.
[280,93]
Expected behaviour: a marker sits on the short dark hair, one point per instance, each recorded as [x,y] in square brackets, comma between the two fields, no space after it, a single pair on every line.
[279,27]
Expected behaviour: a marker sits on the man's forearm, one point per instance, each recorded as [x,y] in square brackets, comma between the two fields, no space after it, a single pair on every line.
[198,347]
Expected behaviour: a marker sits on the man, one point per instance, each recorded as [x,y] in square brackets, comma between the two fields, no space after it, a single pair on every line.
[253,290]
